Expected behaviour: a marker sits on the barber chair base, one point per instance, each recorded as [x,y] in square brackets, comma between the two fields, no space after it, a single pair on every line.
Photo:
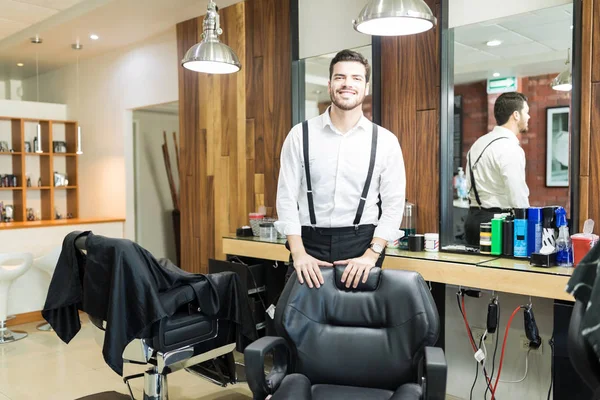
[8,336]
[45,327]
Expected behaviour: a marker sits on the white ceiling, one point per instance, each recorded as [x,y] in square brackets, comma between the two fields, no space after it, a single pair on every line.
[533,43]
[119,23]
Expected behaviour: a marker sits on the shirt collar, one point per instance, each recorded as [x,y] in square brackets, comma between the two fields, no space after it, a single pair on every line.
[500,131]
[363,122]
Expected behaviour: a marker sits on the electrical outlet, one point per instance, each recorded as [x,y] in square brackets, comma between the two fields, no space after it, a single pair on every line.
[524,345]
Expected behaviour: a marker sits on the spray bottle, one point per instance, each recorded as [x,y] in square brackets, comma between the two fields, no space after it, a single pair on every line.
[564,255]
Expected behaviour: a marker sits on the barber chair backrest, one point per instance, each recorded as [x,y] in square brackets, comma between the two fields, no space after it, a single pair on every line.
[582,355]
[372,336]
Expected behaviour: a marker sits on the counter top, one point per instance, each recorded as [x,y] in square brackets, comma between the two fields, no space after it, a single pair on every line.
[57,222]
[470,270]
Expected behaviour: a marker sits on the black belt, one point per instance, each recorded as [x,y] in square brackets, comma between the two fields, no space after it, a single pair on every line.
[308,230]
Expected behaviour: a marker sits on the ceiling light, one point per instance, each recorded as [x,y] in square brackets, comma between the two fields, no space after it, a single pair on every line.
[394,18]
[20,64]
[496,74]
[494,43]
[210,55]
[571,26]
[563,81]
[94,36]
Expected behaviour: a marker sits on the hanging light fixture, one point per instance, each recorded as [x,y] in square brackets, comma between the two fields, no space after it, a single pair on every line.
[394,18]
[78,46]
[37,40]
[562,82]
[210,55]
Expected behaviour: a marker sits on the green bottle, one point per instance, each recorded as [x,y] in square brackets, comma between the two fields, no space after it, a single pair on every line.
[497,234]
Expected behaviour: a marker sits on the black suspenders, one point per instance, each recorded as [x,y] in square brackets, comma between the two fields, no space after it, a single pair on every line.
[365,192]
[473,186]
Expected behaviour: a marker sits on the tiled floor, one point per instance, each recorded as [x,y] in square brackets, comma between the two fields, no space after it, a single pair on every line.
[41,366]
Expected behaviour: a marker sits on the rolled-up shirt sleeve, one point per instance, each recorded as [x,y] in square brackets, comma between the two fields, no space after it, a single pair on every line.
[288,186]
[392,188]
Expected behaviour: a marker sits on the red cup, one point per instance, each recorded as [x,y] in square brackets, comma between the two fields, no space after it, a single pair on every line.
[582,243]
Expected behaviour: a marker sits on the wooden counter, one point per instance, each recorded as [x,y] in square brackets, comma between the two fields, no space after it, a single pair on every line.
[475,271]
[57,222]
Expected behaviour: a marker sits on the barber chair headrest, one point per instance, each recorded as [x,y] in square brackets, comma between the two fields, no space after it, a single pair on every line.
[369,286]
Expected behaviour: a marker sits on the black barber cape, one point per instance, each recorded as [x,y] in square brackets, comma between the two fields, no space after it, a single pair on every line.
[584,285]
[121,283]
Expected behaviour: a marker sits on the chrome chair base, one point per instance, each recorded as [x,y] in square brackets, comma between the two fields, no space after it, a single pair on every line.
[45,327]
[8,336]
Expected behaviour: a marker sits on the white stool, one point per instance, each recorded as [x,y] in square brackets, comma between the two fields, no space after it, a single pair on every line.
[12,266]
[47,263]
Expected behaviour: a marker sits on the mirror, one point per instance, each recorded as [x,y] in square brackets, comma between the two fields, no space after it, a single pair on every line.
[522,53]
[316,76]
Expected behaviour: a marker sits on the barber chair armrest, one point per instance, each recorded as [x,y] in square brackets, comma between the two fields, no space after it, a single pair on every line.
[435,371]
[254,358]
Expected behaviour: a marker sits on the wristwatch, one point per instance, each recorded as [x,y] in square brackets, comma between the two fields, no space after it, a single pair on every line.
[377,248]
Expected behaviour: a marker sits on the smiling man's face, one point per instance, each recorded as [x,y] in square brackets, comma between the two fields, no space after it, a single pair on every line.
[348,85]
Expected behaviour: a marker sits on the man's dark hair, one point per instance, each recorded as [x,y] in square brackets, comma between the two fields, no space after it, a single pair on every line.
[349,55]
[507,104]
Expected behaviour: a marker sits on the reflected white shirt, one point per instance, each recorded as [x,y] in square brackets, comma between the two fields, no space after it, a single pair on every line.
[500,173]
[338,165]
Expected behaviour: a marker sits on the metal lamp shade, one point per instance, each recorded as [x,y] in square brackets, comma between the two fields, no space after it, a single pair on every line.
[563,81]
[394,18]
[211,58]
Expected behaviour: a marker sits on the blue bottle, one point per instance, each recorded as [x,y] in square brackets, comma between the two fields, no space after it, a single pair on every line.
[534,232]
[520,232]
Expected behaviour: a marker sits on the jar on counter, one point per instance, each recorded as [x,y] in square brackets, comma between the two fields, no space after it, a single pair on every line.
[268,231]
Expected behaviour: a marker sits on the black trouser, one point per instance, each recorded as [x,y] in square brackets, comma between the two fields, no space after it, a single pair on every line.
[476,217]
[336,244]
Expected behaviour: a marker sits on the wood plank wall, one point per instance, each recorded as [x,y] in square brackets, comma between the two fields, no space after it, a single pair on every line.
[589,161]
[232,127]
[410,87]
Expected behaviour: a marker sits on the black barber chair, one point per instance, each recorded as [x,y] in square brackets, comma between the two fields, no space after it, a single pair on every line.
[188,339]
[372,342]
[583,358]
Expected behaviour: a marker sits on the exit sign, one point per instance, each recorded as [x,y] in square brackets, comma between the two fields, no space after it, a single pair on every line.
[501,85]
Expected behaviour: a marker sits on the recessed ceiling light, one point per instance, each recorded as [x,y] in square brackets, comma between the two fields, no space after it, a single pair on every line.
[496,74]
[571,26]
[493,43]
[20,64]
[94,37]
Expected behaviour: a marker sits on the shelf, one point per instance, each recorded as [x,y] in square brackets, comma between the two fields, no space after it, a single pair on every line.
[11,188]
[38,188]
[37,154]
[65,154]
[57,222]
[64,187]
[8,153]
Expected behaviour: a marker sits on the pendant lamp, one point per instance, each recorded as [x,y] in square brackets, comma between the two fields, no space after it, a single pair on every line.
[394,18]
[210,55]
[562,82]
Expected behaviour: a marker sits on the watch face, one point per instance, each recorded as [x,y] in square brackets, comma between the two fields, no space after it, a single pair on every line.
[377,247]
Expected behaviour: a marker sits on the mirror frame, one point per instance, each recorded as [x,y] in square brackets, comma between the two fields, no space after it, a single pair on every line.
[447,122]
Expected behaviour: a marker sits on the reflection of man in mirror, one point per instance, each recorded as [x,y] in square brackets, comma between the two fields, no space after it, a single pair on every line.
[496,166]
[334,169]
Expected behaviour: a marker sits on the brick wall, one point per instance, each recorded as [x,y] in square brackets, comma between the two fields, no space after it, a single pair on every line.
[478,119]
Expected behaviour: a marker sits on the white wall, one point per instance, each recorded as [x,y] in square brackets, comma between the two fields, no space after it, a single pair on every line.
[459,353]
[465,12]
[111,86]
[28,293]
[330,19]
[154,224]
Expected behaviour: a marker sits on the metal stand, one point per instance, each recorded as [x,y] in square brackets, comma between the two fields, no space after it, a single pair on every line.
[8,336]
[155,385]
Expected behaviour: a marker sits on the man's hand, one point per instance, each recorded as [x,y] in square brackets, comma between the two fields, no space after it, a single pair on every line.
[358,267]
[307,268]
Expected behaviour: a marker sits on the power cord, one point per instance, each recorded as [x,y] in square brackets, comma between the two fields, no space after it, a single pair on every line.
[504,348]
[495,350]
[551,343]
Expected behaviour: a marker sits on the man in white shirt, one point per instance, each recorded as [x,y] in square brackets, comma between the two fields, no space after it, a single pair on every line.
[329,211]
[496,166]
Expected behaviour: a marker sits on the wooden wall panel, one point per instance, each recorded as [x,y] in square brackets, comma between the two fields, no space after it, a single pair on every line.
[410,101]
[595,9]
[232,127]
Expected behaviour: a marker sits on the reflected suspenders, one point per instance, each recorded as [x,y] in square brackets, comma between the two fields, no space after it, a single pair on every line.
[365,192]
[473,186]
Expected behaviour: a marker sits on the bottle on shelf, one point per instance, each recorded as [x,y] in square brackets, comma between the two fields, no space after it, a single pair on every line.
[564,248]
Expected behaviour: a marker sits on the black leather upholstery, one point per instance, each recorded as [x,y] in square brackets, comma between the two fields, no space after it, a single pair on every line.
[333,331]
[366,343]
[583,358]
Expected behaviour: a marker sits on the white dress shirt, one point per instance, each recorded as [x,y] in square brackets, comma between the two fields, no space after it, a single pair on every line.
[339,164]
[500,173]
